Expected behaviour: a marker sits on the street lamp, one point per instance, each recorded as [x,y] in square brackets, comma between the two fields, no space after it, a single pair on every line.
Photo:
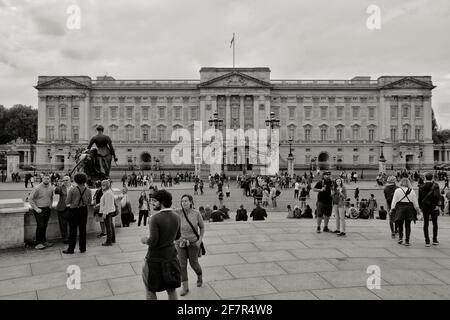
[290,147]
[217,123]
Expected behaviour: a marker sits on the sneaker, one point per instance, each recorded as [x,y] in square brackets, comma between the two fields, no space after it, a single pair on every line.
[101,235]
[68,252]
[400,241]
[40,246]
[326,229]
[48,244]
[427,244]
[106,244]
[342,234]
[318,229]
[435,243]
[407,244]
[336,231]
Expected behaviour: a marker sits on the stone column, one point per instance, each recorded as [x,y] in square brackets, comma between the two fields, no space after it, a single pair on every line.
[227,112]
[42,118]
[241,112]
[290,168]
[57,118]
[255,113]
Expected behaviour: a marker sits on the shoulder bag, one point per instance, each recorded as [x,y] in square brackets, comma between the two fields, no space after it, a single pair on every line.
[202,250]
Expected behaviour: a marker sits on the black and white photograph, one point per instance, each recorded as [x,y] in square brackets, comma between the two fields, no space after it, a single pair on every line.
[208,151]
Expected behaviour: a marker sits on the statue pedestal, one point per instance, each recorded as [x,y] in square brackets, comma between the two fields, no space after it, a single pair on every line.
[12,223]
[382,166]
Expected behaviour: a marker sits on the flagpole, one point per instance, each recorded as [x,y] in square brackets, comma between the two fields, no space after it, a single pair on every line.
[234,41]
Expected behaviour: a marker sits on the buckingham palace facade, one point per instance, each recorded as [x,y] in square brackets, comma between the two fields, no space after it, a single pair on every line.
[332,123]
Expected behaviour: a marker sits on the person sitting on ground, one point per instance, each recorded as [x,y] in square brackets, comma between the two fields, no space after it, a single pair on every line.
[208,213]
[217,215]
[225,211]
[307,213]
[290,212]
[241,214]
[382,214]
[258,214]
[297,212]
[353,212]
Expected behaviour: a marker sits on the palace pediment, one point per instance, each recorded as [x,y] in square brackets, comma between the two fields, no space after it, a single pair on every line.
[235,80]
[408,83]
[61,83]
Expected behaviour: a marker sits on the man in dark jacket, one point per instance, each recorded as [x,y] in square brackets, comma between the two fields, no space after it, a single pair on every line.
[389,191]
[258,214]
[63,211]
[241,214]
[428,201]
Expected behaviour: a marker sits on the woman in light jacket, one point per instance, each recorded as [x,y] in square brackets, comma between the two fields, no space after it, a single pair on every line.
[405,207]
[339,194]
[108,211]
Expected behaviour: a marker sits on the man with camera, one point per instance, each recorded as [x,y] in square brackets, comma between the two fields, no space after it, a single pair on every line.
[324,201]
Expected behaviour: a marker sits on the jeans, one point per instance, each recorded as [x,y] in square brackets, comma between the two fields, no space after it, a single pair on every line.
[407,224]
[63,219]
[41,224]
[426,221]
[110,229]
[339,213]
[78,221]
[190,252]
[143,213]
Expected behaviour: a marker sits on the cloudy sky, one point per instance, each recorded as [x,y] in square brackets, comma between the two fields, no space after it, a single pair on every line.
[163,39]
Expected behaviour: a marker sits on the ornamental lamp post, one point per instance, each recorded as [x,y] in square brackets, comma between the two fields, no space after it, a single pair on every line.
[272,122]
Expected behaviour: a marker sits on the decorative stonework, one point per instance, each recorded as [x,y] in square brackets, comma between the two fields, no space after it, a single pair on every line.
[137,99]
[105,99]
[121,99]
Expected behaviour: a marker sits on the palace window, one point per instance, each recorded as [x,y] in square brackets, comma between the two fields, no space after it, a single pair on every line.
[371,135]
[323,112]
[308,113]
[418,134]
[405,133]
[307,134]
[145,113]
[161,133]
[194,113]
[177,113]
[63,112]
[62,132]
[393,134]
[75,112]
[371,113]
[75,134]
[339,132]
[113,132]
[98,111]
[161,113]
[418,112]
[394,112]
[292,113]
[405,111]
[323,134]
[130,113]
[355,159]
[129,133]
[339,112]
[50,133]
[355,133]
[113,113]
[291,133]
[145,137]
[51,112]
[371,159]
[355,112]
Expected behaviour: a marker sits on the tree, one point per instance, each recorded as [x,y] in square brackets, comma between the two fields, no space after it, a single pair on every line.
[20,121]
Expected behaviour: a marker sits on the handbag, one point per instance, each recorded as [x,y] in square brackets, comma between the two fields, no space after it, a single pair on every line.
[202,250]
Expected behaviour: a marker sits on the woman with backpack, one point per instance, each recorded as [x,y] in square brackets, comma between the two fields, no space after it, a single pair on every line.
[406,208]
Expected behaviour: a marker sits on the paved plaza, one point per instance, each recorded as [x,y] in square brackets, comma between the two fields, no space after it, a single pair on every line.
[274,259]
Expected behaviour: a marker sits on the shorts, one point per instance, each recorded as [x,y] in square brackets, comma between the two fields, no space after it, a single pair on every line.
[324,209]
